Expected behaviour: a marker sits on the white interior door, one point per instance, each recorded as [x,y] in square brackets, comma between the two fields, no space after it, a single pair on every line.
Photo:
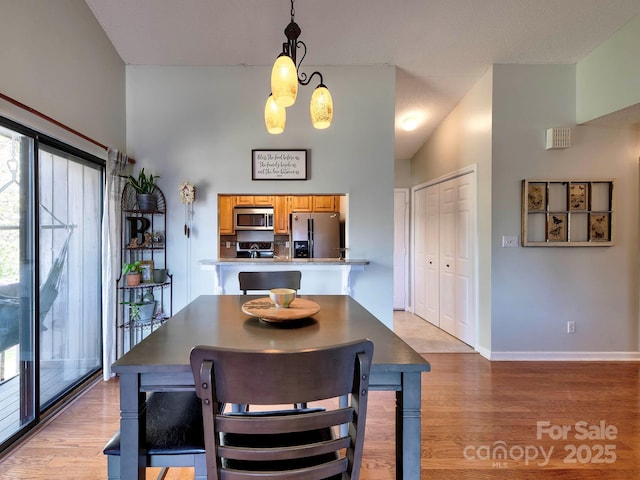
[432,255]
[444,255]
[465,315]
[420,253]
[400,247]
[448,256]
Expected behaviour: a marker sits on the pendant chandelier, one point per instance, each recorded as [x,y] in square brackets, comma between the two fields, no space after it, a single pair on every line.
[284,85]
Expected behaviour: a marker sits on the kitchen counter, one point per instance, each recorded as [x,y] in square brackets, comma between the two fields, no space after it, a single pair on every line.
[289,261]
[319,275]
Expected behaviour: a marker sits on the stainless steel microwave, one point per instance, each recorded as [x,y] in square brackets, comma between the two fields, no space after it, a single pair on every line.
[253,218]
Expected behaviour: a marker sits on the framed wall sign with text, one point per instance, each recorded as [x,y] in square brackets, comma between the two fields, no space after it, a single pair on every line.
[278,164]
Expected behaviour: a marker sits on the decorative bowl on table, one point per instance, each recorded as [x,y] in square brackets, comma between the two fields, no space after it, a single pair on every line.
[282,297]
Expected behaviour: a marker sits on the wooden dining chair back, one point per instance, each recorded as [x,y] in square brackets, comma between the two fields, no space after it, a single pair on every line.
[270,279]
[288,444]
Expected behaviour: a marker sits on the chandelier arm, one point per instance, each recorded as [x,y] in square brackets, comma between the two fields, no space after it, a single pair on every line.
[300,44]
[303,80]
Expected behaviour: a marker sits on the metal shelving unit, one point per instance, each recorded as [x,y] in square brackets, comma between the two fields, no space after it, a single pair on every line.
[143,239]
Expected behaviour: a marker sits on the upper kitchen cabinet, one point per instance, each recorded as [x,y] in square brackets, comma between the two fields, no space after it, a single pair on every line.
[315,203]
[325,203]
[281,211]
[301,203]
[254,200]
[225,214]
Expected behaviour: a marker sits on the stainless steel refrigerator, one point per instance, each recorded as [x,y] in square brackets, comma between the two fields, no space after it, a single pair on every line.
[315,235]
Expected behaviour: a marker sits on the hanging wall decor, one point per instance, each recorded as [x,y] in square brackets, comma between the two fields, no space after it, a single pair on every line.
[187,197]
[567,213]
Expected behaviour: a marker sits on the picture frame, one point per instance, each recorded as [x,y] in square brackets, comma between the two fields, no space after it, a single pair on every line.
[578,196]
[537,197]
[600,227]
[279,164]
[146,269]
[562,212]
[557,227]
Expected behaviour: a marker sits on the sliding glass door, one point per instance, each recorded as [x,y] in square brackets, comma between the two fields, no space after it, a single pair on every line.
[69,263]
[17,277]
[50,213]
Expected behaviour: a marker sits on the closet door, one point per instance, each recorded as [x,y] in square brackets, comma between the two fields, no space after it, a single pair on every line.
[420,252]
[448,220]
[445,226]
[432,255]
[465,314]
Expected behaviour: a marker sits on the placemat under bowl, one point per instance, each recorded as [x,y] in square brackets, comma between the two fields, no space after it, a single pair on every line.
[265,309]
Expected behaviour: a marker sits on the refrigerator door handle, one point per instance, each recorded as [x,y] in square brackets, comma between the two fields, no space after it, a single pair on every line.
[310,236]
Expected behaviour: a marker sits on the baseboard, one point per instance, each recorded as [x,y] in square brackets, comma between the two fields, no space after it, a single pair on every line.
[563,356]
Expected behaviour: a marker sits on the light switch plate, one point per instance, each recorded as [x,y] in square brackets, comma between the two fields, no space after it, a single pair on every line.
[509,241]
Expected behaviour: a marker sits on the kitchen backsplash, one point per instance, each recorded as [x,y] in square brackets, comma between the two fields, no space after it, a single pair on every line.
[228,245]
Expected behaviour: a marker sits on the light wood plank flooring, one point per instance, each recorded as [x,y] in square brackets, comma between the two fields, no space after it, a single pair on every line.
[470,408]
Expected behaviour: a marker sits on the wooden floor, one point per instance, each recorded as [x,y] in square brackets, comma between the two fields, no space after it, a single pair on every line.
[473,410]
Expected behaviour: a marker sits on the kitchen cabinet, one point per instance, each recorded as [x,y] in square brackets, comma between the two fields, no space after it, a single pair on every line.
[254,200]
[324,203]
[281,211]
[301,203]
[314,203]
[225,214]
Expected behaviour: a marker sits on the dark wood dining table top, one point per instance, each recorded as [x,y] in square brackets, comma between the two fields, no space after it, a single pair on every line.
[218,320]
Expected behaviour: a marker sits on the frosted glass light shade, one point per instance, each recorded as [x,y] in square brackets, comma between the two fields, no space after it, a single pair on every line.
[284,81]
[321,108]
[275,117]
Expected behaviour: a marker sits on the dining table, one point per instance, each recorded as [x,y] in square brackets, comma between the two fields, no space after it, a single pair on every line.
[160,362]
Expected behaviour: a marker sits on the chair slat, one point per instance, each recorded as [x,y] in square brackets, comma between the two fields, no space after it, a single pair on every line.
[282,453]
[283,423]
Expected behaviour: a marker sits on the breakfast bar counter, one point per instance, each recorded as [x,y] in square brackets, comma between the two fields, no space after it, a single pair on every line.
[319,275]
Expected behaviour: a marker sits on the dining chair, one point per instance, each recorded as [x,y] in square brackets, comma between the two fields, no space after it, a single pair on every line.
[269,279]
[290,444]
[173,435]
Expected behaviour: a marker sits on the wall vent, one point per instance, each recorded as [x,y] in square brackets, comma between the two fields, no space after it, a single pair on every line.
[559,137]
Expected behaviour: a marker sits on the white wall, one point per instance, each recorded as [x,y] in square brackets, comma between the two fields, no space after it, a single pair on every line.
[57,59]
[535,290]
[461,140]
[607,78]
[200,124]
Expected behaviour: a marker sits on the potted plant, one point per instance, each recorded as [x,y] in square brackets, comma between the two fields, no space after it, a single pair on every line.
[144,186]
[132,273]
[140,312]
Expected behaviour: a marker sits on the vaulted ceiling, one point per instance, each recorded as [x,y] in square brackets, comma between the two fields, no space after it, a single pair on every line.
[440,47]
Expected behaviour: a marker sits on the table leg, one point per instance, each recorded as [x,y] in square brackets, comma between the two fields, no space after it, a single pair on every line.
[132,425]
[408,428]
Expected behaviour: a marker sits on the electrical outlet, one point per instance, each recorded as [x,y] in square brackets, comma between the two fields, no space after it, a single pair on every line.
[228,245]
[571,326]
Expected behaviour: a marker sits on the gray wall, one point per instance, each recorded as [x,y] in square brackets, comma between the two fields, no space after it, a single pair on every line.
[200,124]
[527,295]
[57,59]
[535,291]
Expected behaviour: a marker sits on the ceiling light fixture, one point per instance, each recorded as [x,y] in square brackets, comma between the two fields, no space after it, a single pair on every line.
[284,85]
[410,123]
